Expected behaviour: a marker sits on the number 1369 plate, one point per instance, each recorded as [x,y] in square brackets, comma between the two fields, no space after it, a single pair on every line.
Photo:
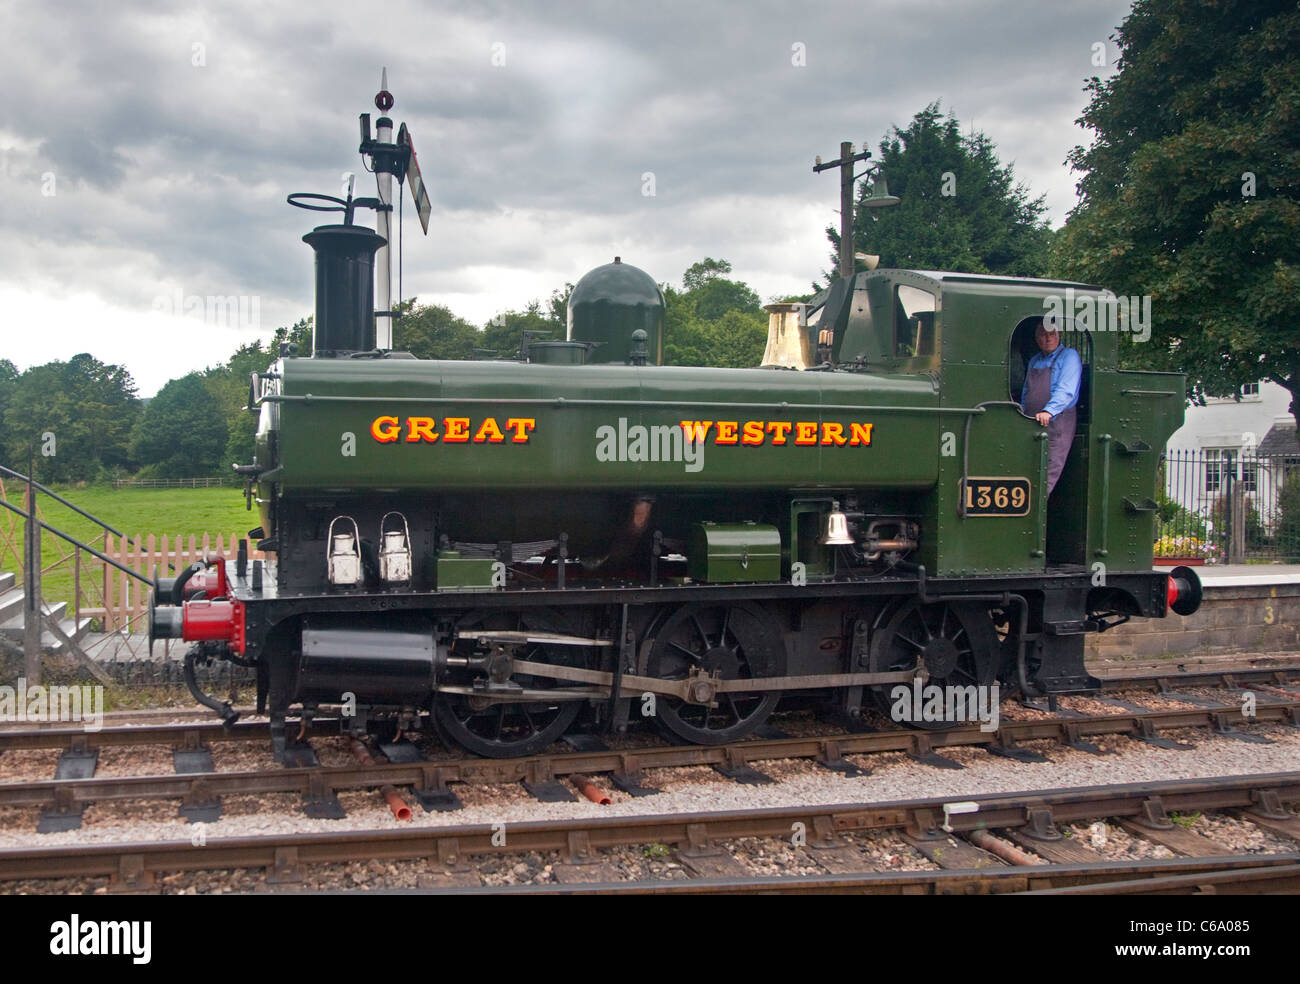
[996,496]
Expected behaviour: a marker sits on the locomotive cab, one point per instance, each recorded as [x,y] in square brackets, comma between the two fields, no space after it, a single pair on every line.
[1067,506]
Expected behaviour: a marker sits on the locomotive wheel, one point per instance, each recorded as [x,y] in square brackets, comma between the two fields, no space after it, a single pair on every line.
[738,640]
[955,642]
[508,730]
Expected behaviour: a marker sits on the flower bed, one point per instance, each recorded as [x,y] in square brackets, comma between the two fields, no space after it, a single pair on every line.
[1189,550]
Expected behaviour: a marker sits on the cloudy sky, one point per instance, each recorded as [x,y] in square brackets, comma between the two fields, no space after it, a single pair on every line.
[146,148]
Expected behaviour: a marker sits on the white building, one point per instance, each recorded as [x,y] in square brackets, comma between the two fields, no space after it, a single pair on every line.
[1231,424]
[1249,439]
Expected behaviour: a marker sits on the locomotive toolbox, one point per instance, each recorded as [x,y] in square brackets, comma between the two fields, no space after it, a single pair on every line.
[506,550]
[731,552]
[456,573]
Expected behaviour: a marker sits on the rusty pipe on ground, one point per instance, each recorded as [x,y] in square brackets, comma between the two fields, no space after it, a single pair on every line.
[589,789]
[1007,852]
[361,752]
[395,803]
[390,794]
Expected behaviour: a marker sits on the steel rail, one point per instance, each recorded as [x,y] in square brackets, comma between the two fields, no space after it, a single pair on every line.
[1263,874]
[1158,678]
[38,735]
[135,863]
[434,775]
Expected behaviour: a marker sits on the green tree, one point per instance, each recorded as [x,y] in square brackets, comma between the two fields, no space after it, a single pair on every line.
[713,321]
[712,295]
[228,386]
[1190,192]
[88,406]
[504,333]
[684,341]
[558,306]
[699,274]
[38,405]
[715,298]
[299,334]
[107,408]
[433,332]
[179,434]
[1287,531]
[735,340]
[961,208]
[8,382]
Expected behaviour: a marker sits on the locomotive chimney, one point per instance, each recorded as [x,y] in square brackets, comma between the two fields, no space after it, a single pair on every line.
[345,288]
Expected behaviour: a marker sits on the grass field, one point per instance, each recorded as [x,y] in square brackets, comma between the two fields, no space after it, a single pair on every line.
[135,512]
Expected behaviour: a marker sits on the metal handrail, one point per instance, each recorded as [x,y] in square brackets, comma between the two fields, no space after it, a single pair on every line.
[77,543]
[54,495]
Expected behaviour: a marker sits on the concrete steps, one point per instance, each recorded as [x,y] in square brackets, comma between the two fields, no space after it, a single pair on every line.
[11,604]
[12,617]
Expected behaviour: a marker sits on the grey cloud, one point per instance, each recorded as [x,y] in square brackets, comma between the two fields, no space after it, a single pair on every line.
[187,167]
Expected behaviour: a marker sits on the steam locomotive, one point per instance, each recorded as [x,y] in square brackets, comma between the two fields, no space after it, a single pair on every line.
[581,536]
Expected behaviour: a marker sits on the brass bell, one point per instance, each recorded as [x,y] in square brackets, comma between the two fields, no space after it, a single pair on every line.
[837,529]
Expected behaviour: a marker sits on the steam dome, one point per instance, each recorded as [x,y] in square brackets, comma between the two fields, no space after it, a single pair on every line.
[610,303]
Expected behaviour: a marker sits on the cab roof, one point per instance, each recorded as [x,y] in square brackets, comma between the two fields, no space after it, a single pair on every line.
[940,277]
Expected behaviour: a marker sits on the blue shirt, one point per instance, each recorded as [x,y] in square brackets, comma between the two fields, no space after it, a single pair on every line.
[1067,370]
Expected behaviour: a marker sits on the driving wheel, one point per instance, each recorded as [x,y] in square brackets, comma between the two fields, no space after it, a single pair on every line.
[955,645]
[739,642]
[504,729]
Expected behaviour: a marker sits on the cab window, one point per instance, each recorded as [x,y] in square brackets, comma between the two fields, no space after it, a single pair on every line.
[914,312]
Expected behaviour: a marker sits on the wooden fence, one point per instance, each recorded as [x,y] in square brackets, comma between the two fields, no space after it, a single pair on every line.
[125,598]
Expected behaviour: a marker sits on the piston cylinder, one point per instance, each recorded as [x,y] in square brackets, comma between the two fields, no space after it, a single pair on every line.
[379,659]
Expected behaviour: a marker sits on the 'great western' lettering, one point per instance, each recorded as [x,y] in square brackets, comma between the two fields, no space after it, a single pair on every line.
[451,430]
[752,433]
[684,442]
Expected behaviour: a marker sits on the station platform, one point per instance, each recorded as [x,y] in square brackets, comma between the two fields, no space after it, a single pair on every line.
[1244,575]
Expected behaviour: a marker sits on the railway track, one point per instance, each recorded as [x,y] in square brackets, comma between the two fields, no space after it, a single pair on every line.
[128,728]
[955,835]
[200,789]
[154,725]
[1277,874]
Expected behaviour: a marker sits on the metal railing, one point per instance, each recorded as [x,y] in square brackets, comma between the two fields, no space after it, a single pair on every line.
[37,617]
[1228,505]
[174,483]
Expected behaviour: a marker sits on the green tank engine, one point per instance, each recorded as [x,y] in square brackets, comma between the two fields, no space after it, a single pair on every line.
[508,545]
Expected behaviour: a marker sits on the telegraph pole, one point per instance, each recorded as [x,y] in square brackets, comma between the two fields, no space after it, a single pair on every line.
[847,179]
